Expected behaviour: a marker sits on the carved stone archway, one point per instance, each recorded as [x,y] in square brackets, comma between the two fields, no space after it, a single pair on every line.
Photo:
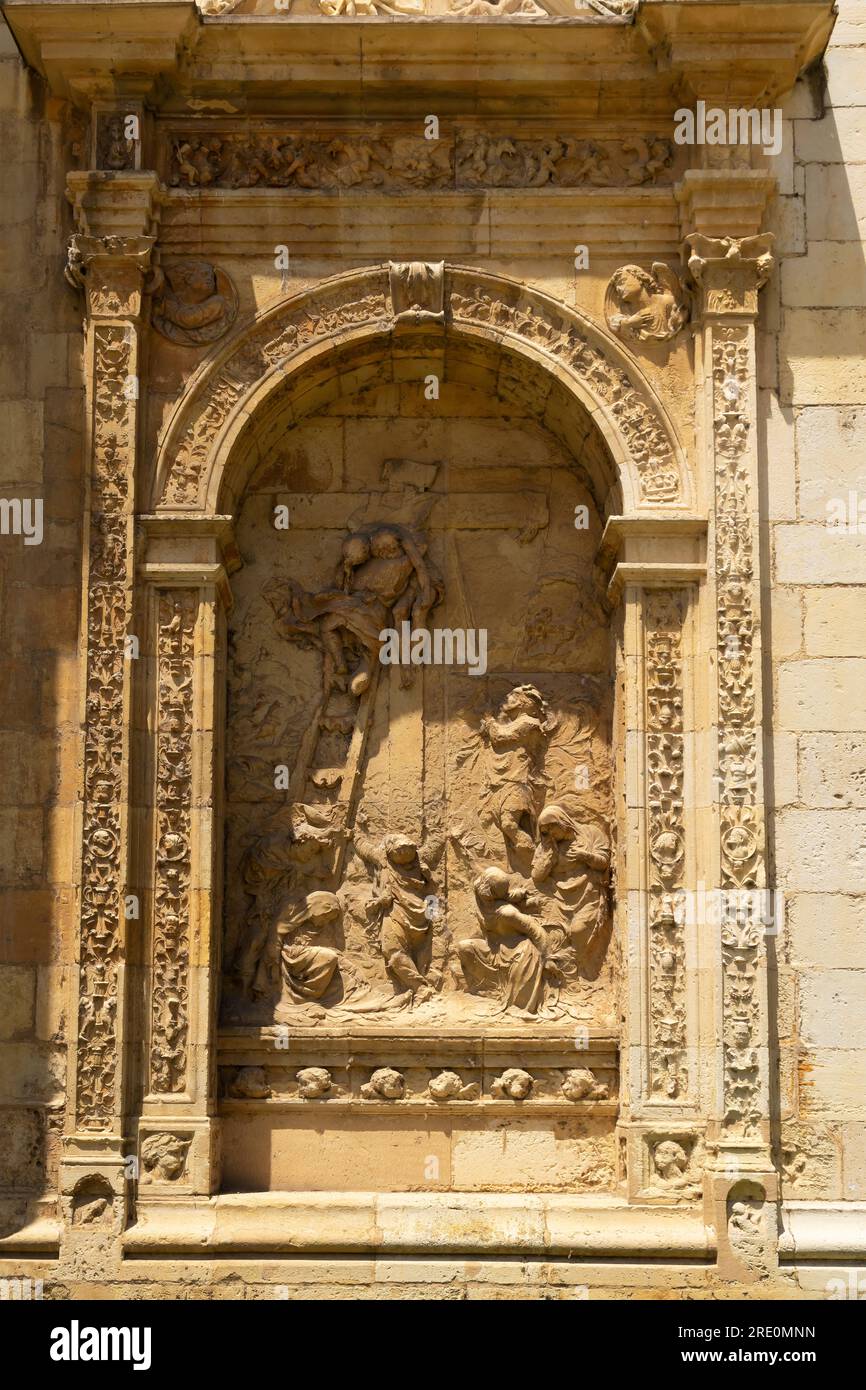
[416,320]
[310,339]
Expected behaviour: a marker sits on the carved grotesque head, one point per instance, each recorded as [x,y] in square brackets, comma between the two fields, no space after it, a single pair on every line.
[384,1084]
[313,1082]
[670,1160]
[513,1084]
[164,1156]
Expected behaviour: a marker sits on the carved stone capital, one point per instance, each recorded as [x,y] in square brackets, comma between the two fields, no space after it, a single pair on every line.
[729,272]
[111,270]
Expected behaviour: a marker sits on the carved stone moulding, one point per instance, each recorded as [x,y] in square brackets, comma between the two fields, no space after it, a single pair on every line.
[558,343]
[541,1076]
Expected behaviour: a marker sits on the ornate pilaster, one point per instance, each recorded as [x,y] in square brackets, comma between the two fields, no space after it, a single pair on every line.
[181,724]
[729,273]
[658,566]
[112,270]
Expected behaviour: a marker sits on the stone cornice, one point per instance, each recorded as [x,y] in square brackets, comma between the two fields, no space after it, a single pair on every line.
[670,52]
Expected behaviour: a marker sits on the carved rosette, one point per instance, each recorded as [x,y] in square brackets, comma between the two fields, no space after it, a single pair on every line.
[169,1029]
[110,270]
[730,272]
[663,625]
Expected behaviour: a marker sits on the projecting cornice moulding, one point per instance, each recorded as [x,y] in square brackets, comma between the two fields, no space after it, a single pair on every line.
[215,57]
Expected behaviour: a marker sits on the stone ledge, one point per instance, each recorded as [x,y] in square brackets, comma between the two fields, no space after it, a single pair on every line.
[459,1222]
[822,1231]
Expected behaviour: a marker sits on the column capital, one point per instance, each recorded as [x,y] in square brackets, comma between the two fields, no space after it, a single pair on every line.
[729,271]
[112,251]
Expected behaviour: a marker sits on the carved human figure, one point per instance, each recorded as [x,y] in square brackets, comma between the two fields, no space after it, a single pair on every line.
[643,305]
[403,884]
[294,855]
[306,970]
[163,1156]
[196,303]
[383,579]
[508,960]
[570,868]
[517,739]
[671,1162]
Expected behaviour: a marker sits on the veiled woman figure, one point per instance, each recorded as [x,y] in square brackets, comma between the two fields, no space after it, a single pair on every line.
[570,868]
[508,960]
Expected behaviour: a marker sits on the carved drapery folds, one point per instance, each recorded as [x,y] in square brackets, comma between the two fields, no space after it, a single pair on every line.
[111,271]
[663,625]
[169,999]
[730,272]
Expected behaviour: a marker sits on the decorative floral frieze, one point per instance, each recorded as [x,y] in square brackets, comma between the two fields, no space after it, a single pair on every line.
[395,162]
[169,1033]
[663,625]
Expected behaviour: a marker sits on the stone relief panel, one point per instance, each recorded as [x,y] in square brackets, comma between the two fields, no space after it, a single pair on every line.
[663,625]
[194,302]
[418,754]
[395,159]
[644,305]
[169,1027]
[593,11]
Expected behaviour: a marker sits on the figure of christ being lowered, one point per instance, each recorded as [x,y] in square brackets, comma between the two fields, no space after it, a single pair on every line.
[383,580]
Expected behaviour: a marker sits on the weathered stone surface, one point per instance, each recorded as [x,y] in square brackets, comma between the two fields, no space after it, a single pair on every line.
[314,377]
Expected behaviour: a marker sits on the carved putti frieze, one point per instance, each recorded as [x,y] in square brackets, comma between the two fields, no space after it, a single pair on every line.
[389,161]
[646,305]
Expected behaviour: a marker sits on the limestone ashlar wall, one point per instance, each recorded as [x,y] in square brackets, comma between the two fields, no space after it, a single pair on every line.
[814,417]
[40,458]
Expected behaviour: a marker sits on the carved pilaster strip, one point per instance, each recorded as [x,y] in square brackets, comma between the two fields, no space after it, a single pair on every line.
[111,270]
[664,614]
[169,1027]
[730,272]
